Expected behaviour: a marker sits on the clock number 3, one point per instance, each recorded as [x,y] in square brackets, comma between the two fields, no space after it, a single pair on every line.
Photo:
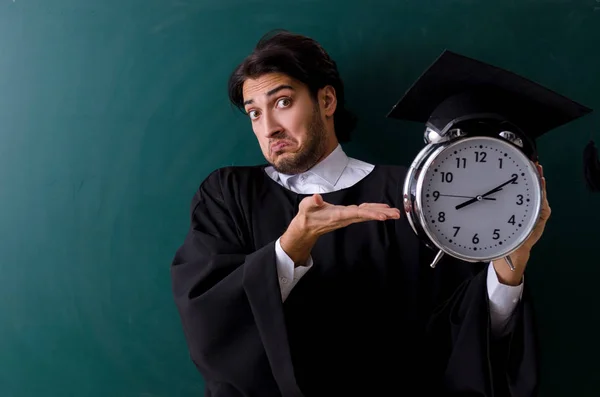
[520,199]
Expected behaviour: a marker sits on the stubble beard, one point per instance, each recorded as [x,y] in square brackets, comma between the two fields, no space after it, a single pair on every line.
[312,152]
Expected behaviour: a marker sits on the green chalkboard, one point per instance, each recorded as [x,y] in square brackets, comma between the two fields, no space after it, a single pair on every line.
[112,112]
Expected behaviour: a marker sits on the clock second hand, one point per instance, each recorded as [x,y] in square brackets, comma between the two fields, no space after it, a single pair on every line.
[468,197]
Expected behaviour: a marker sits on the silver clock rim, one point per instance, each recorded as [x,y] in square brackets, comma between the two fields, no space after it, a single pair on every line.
[426,157]
[409,194]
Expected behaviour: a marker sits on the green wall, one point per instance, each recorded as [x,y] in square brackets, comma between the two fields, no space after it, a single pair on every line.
[112,112]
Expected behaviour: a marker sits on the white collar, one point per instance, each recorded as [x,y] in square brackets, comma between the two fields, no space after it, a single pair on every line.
[329,169]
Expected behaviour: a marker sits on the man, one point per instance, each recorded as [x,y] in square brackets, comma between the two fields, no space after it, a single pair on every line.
[302,278]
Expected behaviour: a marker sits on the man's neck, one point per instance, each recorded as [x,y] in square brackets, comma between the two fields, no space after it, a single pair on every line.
[331,145]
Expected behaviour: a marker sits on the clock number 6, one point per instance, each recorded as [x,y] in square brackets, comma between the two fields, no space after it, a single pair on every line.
[475,239]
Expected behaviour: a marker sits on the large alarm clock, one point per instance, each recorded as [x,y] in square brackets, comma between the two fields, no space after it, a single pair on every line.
[476,198]
[473,192]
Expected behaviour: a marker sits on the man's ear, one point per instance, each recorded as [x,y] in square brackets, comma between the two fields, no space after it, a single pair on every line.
[327,100]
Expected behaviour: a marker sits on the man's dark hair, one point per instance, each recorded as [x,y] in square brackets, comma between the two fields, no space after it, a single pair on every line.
[301,58]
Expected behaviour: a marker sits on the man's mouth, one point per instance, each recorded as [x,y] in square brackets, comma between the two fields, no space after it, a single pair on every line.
[275,147]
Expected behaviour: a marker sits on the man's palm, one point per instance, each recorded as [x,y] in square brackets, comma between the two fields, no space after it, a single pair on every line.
[320,217]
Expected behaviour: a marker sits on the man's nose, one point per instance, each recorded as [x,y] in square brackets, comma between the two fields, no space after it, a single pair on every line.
[271,125]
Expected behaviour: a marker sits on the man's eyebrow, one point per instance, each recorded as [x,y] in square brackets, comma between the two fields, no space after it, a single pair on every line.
[272,92]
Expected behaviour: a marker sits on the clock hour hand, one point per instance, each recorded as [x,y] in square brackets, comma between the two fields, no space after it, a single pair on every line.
[471,201]
[478,198]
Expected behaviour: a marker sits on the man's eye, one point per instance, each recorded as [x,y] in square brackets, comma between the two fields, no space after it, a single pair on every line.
[284,102]
[253,114]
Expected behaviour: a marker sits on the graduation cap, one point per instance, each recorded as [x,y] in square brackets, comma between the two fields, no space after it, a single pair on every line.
[456,91]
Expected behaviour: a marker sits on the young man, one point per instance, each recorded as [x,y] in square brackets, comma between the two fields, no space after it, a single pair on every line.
[302,278]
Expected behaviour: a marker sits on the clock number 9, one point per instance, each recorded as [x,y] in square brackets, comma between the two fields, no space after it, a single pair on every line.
[436,195]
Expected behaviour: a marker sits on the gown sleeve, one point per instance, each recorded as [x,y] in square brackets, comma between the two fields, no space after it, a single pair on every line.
[229,301]
[469,361]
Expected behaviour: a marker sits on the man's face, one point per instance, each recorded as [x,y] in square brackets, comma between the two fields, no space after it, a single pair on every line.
[287,122]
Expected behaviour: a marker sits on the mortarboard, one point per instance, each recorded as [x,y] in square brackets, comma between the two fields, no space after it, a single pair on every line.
[456,89]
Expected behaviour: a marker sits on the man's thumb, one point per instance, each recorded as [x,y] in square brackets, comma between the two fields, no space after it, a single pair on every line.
[318,200]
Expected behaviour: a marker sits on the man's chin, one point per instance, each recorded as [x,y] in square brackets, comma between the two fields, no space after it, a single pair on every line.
[286,150]
[288,165]
[283,156]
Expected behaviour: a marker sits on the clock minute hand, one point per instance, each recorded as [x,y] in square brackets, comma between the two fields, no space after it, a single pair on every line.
[478,198]
[499,187]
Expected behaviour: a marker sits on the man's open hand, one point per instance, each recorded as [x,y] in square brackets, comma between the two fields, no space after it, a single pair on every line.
[316,217]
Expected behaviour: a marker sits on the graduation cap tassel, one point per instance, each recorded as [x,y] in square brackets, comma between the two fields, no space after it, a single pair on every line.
[591,167]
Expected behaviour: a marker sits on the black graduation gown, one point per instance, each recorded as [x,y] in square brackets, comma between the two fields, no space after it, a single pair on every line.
[369,318]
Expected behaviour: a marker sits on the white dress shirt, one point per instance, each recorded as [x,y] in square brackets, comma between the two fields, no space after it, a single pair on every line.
[338,171]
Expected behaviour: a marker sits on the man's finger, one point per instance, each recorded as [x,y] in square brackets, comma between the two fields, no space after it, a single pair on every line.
[363,214]
[540,169]
[318,200]
[374,205]
[544,186]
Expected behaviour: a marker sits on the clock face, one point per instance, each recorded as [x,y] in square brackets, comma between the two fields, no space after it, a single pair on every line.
[480,198]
